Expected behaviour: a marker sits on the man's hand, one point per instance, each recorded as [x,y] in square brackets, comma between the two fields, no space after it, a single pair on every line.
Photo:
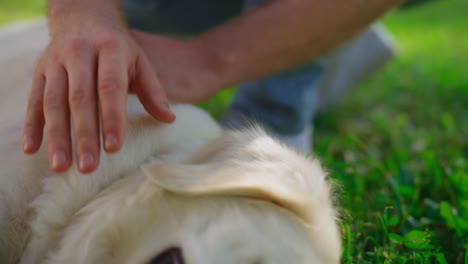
[81,82]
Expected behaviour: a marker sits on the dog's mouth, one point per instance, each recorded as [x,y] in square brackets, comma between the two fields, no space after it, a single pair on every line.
[172,255]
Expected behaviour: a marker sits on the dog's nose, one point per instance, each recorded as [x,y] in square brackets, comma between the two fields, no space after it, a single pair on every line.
[172,255]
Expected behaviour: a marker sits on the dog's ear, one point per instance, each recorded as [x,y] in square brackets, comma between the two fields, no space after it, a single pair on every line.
[249,165]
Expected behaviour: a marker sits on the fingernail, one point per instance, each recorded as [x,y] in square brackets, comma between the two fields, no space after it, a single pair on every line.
[86,161]
[166,106]
[59,160]
[28,144]
[111,142]
[168,109]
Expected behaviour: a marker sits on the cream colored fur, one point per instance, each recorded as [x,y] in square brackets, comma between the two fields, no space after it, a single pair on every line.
[223,197]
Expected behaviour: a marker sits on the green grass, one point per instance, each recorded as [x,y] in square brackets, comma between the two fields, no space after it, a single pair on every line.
[13,10]
[398,146]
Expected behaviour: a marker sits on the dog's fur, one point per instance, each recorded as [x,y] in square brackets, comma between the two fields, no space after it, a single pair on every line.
[222,197]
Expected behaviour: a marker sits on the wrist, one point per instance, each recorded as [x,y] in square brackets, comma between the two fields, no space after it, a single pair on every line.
[66,14]
[218,68]
[187,70]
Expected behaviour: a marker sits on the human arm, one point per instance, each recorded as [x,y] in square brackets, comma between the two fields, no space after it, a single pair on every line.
[270,39]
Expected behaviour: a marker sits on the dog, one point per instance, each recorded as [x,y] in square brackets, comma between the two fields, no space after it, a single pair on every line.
[188,192]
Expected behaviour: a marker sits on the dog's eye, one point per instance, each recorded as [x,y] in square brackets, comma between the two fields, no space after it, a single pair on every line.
[172,255]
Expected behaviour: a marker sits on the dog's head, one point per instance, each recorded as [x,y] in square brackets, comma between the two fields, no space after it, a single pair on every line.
[242,199]
[202,198]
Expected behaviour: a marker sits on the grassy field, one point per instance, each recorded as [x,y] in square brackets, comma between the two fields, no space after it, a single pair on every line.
[14,10]
[399,145]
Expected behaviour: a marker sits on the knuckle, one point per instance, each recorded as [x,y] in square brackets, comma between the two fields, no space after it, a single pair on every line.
[57,134]
[108,86]
[76,46]
[59,140]
[78,97]
[36,103]
[29,126]
[39,66]
[108,41]
[51,101]
[51,60]
[84,137]
[50,57]
[115,124]
[85,141]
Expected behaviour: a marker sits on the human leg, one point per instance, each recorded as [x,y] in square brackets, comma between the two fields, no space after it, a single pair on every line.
[288,102]
[179,17]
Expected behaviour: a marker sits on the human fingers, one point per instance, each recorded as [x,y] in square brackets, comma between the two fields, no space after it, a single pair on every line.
[56,113]
[82,99]
[34,121]
[112,92]
[150,92]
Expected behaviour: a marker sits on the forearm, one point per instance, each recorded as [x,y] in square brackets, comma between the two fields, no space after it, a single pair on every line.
[283,34]
[60,11]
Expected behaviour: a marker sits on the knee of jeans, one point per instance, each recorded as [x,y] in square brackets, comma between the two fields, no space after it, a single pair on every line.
[287,124]
[251,4]
[281,119]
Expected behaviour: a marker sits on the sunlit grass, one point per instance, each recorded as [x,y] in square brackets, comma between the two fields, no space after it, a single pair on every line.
[15,10]
[399,145]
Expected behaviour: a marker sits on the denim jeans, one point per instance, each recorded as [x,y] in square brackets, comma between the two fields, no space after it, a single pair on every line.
[285,103]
